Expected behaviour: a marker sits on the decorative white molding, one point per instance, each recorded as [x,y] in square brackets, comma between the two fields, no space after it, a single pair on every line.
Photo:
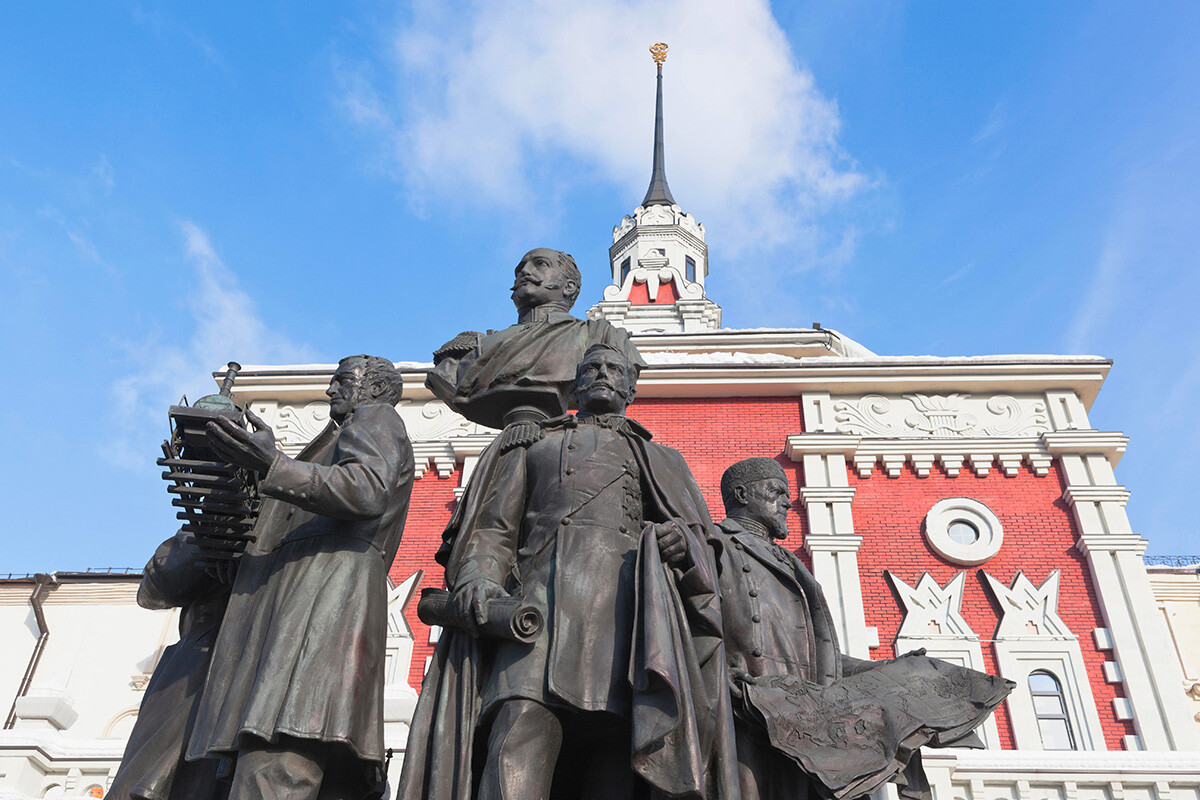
[1032,636]
[979,455]
[941,416]
[295,426]
[1096,494]
[399,698]
[986,524]
[957,774]
[826,494]
[1110,444]
[800,444]
[1109,543]
[833,543]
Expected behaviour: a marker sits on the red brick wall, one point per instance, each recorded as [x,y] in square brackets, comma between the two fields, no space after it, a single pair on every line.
[1039,537]
[428,512]
[712,433]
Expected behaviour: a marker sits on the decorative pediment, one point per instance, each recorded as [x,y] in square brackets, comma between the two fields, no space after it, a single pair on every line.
[1029,611]
[932,610]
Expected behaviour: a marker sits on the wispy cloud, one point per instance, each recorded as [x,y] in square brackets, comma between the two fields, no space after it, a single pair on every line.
[957,275]
[996,121]
[1103,291]
[478,98]
[223,323]
[104,174]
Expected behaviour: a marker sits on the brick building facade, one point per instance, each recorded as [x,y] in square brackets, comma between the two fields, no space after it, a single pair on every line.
[965,505]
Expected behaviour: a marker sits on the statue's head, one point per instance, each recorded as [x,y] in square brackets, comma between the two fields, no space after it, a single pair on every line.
[362,380]
[757,489]
[605,381]
[546,277]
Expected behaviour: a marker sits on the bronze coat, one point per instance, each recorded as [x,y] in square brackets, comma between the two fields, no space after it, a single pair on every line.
[682,727]
[152,767]
[302,648]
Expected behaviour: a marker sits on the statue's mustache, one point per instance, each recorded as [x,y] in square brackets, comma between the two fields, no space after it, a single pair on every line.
[530,279]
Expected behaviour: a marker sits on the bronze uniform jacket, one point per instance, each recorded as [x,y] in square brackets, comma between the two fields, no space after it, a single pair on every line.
[302,648]
[776,619]
[573,544]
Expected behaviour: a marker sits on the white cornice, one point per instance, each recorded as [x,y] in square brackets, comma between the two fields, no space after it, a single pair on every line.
[1099,764]
[726,377]
[1111,543]
[800,444]
[826,494]
[1096,494]
[1110,444]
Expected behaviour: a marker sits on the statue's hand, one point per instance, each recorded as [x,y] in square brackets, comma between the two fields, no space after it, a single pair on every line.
[251,449]
[739,679]
[671,544]
[470,600]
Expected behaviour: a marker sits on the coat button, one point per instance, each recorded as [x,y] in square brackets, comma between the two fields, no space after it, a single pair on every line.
[756,618]
[570,470]
[753,592]
[566,520]
[623,529]
[756,652]
[738,546]
[745,567]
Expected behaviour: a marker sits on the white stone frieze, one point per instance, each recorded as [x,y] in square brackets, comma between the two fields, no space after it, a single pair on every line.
[941,416]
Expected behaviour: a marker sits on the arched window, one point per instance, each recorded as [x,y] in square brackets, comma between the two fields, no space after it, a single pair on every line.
[1051,711]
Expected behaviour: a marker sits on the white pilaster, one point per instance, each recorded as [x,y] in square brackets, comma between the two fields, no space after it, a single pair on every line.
[831,540]
[1153,683]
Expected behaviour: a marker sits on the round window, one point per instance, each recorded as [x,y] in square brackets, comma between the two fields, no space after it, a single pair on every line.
[963,531]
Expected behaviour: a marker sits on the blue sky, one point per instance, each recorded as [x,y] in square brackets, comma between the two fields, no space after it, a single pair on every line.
[182,185]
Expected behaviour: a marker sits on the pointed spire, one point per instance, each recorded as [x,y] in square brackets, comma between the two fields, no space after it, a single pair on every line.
[659,194]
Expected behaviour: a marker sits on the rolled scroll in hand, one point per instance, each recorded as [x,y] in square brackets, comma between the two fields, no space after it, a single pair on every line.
[510,618]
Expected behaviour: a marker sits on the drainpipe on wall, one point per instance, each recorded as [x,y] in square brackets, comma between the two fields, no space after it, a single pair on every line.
[43,582]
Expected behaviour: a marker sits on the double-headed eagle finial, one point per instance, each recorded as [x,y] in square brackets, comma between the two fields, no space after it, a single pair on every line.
[658,52]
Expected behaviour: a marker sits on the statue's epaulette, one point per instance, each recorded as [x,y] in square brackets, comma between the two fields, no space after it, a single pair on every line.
[520,434]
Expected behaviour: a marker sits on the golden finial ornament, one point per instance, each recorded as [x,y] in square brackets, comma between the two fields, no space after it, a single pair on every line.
[658,52]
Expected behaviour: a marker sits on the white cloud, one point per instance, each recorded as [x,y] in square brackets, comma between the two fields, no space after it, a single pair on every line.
[223,324]
[1103,293]
[484,100]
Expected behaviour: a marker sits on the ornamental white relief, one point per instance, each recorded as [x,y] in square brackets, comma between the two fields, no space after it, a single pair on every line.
[653,277]
[658,215]
[296,426]
[941,416]
[433,420]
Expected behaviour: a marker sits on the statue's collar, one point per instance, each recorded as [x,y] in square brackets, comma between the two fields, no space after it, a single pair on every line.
[754,528]
[546,313]
[616,422]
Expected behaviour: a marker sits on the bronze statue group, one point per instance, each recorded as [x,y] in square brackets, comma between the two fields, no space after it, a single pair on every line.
[678,657]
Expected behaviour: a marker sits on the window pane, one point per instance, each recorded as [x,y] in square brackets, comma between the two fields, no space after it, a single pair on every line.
[1048,705]
[963,532]
[1055,734]
[1042,682]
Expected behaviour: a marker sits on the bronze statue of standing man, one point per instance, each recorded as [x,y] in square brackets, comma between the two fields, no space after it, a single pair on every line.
[295,688]
[624,692]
